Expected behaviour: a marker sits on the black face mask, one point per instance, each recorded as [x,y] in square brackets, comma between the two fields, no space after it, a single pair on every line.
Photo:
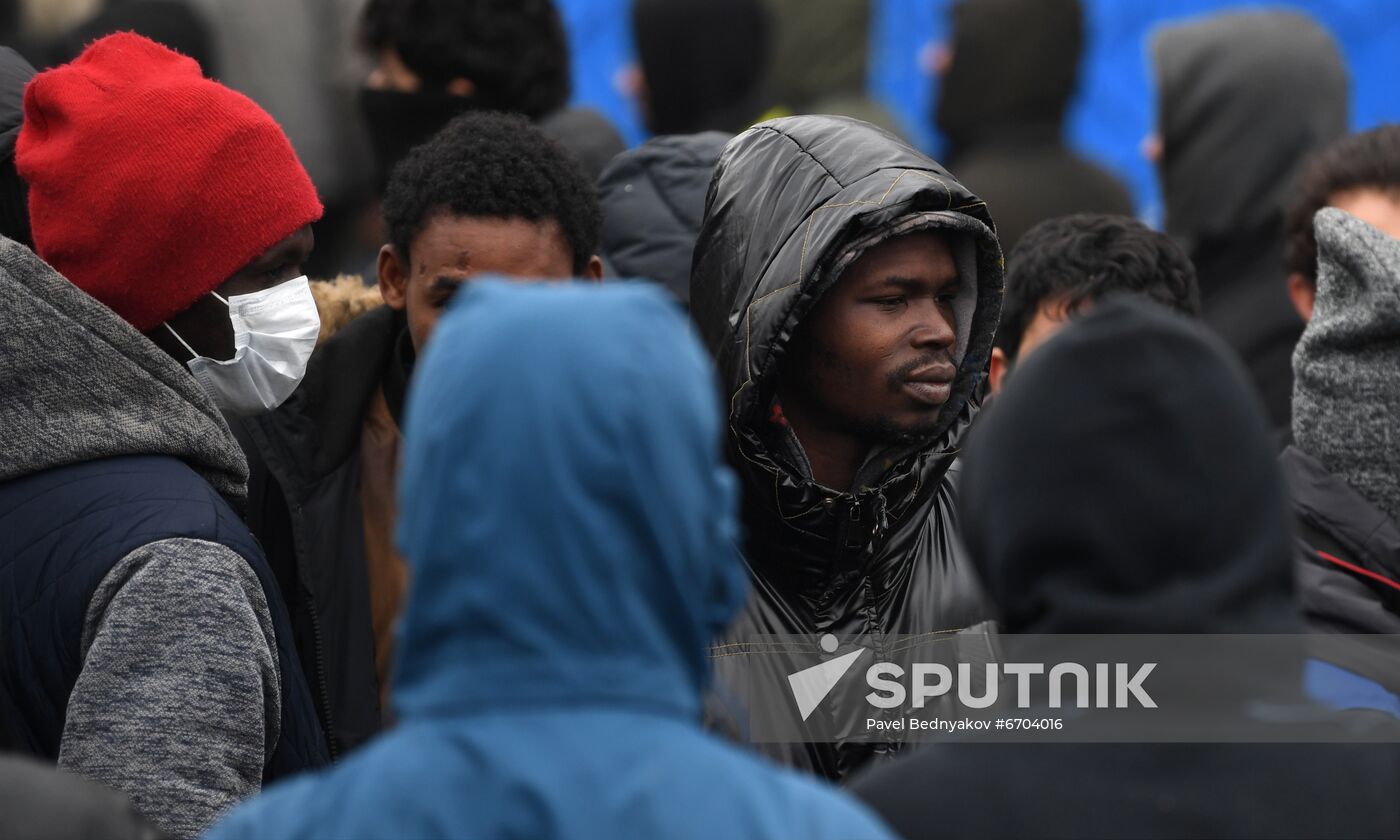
[399,121]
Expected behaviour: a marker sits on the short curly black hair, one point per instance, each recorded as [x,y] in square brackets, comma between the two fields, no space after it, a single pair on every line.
[1368,160]
[514,52]
[1085,257]
[497,166]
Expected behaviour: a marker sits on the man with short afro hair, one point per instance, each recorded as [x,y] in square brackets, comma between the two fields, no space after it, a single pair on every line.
[489,194]
[491,172]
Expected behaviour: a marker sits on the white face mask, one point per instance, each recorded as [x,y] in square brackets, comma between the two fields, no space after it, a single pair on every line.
[274,332]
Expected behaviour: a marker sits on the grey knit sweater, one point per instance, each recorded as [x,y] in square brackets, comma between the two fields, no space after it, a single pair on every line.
[1346,393]
[177,702]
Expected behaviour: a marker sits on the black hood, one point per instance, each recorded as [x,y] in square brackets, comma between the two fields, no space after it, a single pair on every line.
[653,201]
[819,56]
[1242,99]
[587,134]
[792,202]
[1125,482]
[1015,68]
[704,62]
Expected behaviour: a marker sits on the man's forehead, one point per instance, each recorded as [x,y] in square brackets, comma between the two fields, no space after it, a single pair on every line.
[923,254]
[468,242]
[1051,316]
[449,227]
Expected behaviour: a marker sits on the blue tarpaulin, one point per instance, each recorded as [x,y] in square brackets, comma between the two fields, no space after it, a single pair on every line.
[1115,107]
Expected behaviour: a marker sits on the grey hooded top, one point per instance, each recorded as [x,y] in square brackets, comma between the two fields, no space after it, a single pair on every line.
[177,703]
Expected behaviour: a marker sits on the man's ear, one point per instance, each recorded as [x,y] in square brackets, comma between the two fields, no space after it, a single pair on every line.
[997,372]
[1303,294]
[393,278]
[594,271]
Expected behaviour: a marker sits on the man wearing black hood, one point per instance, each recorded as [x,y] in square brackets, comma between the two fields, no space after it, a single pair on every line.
[1242,99]
[1002,102]
[702,63]
[1104,517]
[848,287]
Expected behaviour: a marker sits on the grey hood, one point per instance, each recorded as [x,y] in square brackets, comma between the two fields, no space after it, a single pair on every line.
[1346,395]
[77,383]
[1242,99]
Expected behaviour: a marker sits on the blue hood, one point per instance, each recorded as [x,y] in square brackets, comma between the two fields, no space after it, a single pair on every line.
[564,507]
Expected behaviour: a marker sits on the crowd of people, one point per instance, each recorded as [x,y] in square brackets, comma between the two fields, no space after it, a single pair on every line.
[506,524]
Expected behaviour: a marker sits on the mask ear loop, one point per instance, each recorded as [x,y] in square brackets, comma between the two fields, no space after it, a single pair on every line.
[181,340]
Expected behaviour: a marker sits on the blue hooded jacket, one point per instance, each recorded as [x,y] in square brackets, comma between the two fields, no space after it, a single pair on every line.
[569,524]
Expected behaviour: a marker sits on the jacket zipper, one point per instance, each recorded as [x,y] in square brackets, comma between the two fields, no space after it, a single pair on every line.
[323,695]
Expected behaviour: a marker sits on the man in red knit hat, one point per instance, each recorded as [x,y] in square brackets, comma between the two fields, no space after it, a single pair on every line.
[144,642]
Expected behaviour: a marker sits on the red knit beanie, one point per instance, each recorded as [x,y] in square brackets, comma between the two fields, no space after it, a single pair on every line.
[150,185]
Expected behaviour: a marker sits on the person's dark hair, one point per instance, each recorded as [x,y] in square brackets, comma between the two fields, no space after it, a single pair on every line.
[1088,256]
[496,166]
[1368,160]
[514,52]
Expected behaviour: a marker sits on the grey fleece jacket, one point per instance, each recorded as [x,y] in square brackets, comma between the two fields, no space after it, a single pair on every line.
[177,702]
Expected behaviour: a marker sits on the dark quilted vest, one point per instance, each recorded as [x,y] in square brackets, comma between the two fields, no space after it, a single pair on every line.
[61,532]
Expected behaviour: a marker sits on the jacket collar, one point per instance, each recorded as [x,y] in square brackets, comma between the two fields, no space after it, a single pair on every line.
[1331,505]
[318,427]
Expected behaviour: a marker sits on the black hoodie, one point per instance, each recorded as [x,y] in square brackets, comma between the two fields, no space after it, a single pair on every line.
[1139,426]
[1125,483]
[1002,105]
[704,62]
[1243,98]
[793,201]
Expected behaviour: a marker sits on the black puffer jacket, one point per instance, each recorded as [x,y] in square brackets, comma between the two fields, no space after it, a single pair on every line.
[791,201]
